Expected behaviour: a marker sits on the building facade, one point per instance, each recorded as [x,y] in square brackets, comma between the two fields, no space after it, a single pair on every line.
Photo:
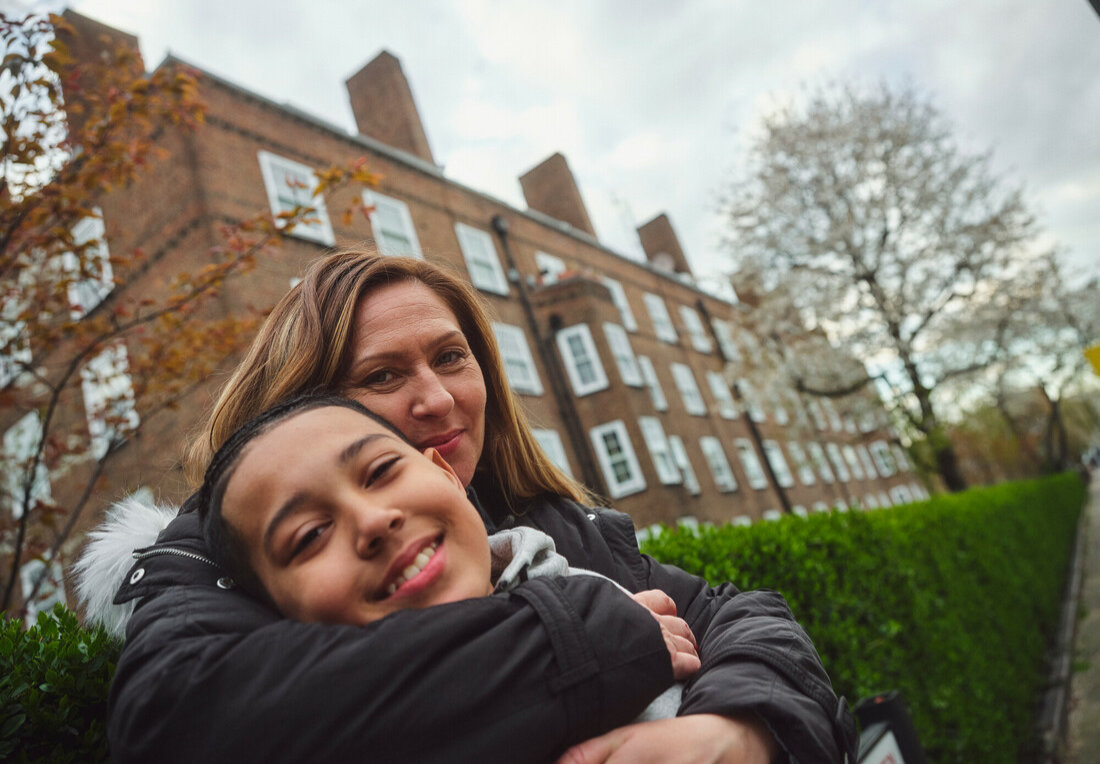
[639,383]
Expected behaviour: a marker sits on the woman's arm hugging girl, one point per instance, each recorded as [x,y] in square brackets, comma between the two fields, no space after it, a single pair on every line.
[211,674]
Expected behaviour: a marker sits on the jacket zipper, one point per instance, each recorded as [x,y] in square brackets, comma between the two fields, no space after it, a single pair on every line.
[172,550]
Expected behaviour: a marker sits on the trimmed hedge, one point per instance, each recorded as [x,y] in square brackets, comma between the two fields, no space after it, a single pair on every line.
[950,601]
[54,679]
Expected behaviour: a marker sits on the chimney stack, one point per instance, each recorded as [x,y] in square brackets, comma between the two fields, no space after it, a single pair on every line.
[384,109]
[662,246]
[551,189]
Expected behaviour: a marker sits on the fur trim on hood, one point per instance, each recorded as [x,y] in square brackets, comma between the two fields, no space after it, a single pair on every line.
[131,523]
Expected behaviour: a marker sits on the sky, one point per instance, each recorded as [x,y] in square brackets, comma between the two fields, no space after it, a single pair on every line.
[654,103]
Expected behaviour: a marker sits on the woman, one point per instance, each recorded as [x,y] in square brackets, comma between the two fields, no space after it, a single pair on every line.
[209,674]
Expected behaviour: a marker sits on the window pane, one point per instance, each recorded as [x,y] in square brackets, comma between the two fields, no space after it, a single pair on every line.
[618,296]
[518,364]
[481,258]
[619,343]
[392,225]
[617,459]
[289,185]
[649,374]
[582,363]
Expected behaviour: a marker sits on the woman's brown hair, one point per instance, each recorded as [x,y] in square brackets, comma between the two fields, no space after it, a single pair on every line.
[306,345]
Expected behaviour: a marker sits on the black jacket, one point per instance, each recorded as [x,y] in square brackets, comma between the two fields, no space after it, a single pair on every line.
[208,674]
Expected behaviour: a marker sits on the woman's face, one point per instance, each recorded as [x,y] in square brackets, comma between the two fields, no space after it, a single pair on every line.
[411,363]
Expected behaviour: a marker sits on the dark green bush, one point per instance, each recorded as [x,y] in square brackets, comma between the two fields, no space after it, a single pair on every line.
[950,601]
[54,679]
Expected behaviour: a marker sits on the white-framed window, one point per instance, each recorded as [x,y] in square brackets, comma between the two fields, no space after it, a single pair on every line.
[820,506]
[853,461]
[884,459]
[659,450]
[867,422]
[817,413]
[801,463]
[719,465]
[649,532]
[619,343]
[901,458]
[289,185]
[15,352]
[394,232]
[841,505]
[870,501]
[900,494]
[866,461]
[774,454]
[551,444]
[723,330]
[680,458]
[835,420]
[727,409]
[689,391]
[108,397]
[523,375]
[821,462]
[550,267]
[850,425]
[772,515]
[694,325]
[482,261]
[884,500]
[20,442]
[751,400]
[799,511]
[688,523]
[919,491]
[616,457]
[658,314]
[90,286]
[51,589]
[649,376]
[582,361]
[837,460]
[618,296]
[751,462]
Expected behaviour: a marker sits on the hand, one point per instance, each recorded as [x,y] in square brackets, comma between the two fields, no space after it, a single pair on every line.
[692,739]
[682,647]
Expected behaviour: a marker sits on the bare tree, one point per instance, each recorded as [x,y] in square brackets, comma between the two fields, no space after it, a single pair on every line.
[1041,347]
[860,215]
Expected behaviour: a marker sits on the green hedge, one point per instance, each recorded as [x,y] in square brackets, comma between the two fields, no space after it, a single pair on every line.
[950,601]
[54,679]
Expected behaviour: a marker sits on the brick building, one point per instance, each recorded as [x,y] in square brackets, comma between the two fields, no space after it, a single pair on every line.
[635,378]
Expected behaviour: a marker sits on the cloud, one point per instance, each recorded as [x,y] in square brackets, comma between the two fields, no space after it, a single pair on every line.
[652,101]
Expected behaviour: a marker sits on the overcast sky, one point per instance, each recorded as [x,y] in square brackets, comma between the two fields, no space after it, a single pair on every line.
[651,101]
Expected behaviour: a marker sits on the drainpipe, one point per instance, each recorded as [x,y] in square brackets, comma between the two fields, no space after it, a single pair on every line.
[574,430]
[754,431]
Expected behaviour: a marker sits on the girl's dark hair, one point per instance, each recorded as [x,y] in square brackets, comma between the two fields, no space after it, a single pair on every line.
[223,540]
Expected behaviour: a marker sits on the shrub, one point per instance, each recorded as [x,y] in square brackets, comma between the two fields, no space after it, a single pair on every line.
[949,601]
[54,678]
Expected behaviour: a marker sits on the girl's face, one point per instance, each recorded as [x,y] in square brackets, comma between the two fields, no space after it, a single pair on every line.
[346,523]
[411,364]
